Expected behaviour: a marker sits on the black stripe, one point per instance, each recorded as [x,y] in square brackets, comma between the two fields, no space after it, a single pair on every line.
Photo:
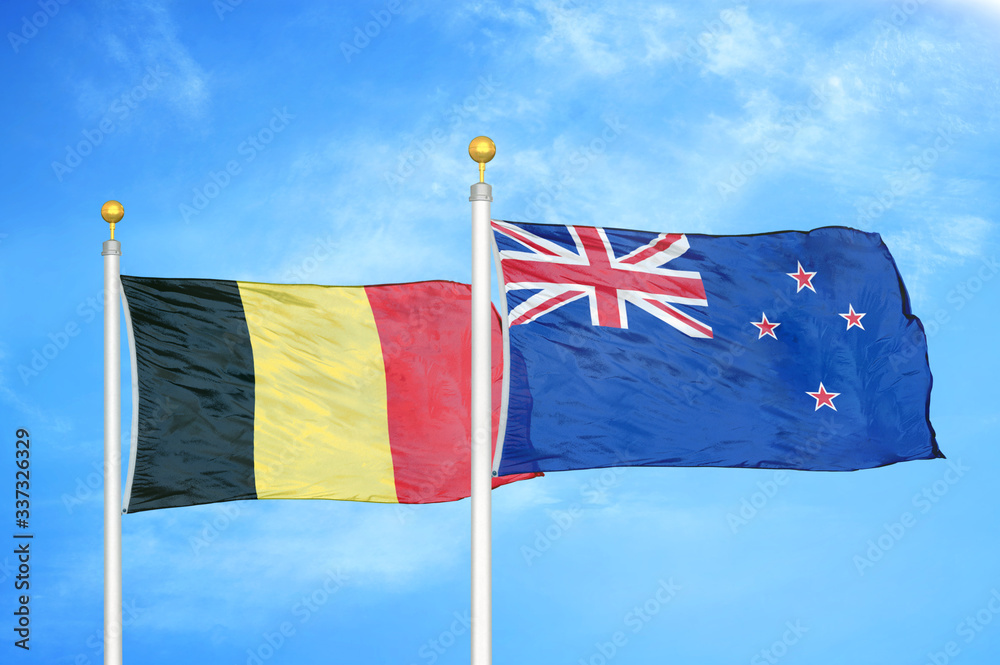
[196,393]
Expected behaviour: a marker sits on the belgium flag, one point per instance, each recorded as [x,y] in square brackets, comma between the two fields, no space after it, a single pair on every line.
[270,391]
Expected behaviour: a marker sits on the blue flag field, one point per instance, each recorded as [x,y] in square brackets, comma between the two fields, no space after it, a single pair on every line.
[790,350]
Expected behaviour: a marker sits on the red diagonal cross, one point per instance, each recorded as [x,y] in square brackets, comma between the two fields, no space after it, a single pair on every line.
[606,277]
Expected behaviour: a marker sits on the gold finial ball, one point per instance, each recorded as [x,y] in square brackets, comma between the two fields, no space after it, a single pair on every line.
[112,212]
[482,149]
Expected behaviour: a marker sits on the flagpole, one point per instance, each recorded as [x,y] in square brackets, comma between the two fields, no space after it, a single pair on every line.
[481,149]
[112,212]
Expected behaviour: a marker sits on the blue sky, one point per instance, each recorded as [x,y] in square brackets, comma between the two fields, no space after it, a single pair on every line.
[279,142]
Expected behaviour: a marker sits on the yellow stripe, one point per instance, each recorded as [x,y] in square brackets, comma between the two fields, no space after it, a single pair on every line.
[320,425]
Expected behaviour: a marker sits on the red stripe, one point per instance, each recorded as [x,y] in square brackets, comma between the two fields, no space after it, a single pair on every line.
[546,306]
[667,309]
[525,240]
[425,332]
[657,247]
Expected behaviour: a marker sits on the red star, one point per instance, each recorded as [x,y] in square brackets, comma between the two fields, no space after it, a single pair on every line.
[766,327]
[853,318]
[823,398]
[803,278]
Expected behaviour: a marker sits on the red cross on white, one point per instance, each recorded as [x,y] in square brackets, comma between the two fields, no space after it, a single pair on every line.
[593,271]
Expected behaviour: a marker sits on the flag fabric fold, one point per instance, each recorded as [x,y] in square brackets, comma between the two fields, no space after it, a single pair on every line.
[792,350]
[249,391]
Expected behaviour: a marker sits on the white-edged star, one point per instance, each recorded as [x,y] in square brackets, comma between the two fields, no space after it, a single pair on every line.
[853,318]
[823,398]
[765,326]
[803,278]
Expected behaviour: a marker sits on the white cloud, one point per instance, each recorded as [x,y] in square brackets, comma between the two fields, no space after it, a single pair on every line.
[742,44]
[928,250]
[141,38]
[582,38]
[964,236]
[602,40]
[585,35]
[32,412]
[654,31]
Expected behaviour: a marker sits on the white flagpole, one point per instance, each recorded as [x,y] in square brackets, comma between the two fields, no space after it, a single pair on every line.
[481,150]
[112,212]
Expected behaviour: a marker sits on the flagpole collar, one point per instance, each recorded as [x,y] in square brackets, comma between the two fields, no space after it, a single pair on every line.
[482,149]
[112,212]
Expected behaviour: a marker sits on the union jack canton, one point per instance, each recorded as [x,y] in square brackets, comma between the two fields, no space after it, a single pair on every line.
[594,270]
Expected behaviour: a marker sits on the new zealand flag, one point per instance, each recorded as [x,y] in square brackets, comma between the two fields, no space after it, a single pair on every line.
[787,350]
